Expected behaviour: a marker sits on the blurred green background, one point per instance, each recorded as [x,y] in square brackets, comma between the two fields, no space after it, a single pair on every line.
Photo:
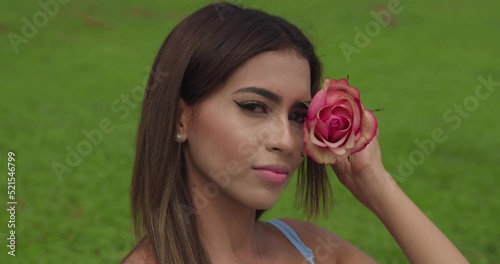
[62,79]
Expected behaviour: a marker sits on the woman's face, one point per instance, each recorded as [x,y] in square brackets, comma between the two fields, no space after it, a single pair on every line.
[255,119]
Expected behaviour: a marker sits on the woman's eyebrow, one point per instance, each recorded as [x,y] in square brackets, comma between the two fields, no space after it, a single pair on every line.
[269,95]
[262,92]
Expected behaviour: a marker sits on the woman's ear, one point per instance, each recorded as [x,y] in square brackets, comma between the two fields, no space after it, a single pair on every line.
[184,119]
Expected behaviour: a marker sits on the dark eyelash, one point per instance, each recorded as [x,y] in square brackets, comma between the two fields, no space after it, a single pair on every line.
[303,117]
[251,106]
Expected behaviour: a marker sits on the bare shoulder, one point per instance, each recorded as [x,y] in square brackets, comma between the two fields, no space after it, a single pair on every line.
[142,253]
[327,247]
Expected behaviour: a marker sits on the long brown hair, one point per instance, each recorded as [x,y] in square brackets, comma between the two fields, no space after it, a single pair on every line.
[199,54]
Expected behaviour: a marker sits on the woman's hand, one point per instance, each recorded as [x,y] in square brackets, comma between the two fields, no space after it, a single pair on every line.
[364,174]
[360,165]
[421,241]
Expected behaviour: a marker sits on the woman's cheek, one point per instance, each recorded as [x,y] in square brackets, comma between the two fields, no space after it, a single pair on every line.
[247,149]
[299,133]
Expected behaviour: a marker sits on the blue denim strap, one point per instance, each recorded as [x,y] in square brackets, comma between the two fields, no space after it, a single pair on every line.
[294,239]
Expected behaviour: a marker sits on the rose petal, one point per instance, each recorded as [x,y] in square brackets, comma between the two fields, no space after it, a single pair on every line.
[333,145]
[349,105]
[338,134]
[344,123]
[317,102]
[350,141]
[325,112]
[333,95]
[341,112]
[368,131]
[313,139]
[339,151]
[311,123]
[343,85]
[326,83]
[321,129]
[340,131]
[358,135]
[318,154]
[357,115]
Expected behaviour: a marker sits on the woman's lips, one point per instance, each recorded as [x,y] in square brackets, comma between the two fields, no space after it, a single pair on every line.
[277,174]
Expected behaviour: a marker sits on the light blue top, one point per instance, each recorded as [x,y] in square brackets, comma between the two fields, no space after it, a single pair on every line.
[294,239]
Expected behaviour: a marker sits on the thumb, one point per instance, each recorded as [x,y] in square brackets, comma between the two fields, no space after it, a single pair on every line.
[342,169]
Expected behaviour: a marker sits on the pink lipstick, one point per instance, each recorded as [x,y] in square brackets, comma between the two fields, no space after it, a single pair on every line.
[274,173]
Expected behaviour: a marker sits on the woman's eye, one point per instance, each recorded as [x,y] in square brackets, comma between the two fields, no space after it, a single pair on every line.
[298,117]
[254,107]
[260,108]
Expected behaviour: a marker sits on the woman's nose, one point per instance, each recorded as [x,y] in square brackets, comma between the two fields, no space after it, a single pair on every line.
[281,136]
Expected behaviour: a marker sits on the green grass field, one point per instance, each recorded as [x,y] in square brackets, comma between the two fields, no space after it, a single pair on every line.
[64,79]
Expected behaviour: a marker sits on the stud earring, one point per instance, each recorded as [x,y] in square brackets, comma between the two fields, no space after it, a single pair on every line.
[178,137]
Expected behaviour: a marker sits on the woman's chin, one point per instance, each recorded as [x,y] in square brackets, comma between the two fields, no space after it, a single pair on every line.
[256,197]
[262,202]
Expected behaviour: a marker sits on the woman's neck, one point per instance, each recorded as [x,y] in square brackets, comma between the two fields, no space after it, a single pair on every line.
[227,228]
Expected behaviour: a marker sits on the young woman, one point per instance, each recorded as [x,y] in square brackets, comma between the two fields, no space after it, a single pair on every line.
[222,113]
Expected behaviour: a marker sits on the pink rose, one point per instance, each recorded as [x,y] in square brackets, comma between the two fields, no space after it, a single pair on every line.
[337,124]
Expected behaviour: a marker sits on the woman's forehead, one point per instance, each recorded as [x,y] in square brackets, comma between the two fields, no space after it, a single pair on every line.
[285,74]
